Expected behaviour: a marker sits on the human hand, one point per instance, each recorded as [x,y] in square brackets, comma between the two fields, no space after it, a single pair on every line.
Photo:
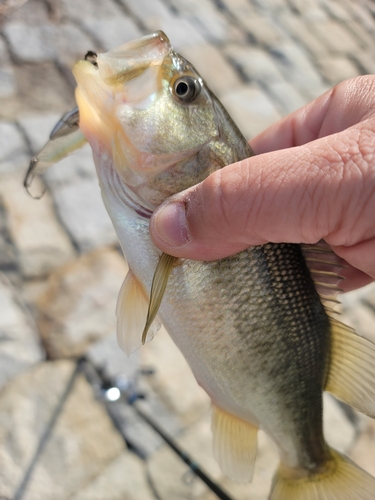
[313,178]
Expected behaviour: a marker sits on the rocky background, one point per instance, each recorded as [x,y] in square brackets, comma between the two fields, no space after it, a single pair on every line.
[64,431]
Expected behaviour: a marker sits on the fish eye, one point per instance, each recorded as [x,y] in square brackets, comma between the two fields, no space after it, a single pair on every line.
[186,88]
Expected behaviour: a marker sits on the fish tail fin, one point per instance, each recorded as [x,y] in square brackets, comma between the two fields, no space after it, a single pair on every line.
[339,479]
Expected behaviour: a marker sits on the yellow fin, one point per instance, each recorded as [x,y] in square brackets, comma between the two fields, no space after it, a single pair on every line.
[339,479]
[131,311]
[351,375]
[159,284]
[234,445]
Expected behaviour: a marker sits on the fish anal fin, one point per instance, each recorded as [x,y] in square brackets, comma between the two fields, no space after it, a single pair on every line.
[131,311]
[351,374]
[234,445]
[338,479]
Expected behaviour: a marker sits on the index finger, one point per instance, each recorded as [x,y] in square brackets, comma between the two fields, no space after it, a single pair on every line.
[336,110]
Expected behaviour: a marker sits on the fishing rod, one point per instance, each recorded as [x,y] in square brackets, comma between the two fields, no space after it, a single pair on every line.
[111,387]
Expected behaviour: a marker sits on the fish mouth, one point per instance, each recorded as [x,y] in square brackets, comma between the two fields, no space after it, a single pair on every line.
[128,73]
[129,60]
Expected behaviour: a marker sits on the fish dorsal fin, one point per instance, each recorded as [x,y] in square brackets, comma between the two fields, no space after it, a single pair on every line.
[324,266]
[131,311]
[351,374]
[159,284]
[234,445]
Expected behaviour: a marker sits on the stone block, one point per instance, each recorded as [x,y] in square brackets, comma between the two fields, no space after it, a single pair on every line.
[220,76]
[80,446]
[20,346]
[67,51]
[32,43]
[339,431]
[8,256]
[336,37]
[285,96]
[298,69]
[12,147]
[79,166]
[156,15]
[171,374]
[365,61]
[112,31]
[301,33]
[211,22]
[250,109]
[41,88]
[363,450]
[82,212]
[37,128]
[257,64]
[41,243]
[265,31]
[78,306]
[82,9]
[124,478]
[7,82]
[337,69]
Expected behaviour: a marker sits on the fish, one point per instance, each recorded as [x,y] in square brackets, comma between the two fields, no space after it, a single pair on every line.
[258,329]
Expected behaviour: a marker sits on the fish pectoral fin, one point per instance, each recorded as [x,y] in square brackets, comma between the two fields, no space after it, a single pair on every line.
[131,311]
[351,374]
[338,478]
[234,445]
[159,284]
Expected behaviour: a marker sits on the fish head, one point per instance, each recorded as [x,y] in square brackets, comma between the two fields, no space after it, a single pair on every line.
[146,110]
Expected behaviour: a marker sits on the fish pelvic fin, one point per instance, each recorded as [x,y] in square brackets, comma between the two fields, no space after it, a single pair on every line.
[338,479]
[158,287]
[131,311]
[351,374]
[234,445]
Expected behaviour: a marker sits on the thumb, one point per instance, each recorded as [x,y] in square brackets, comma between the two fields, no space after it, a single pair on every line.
[321,190]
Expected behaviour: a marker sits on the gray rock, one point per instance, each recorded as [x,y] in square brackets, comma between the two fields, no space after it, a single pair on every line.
[78,307]
[298,69]
[173,380]
[32,42]
[337,38]
[210,21]
[12,147]
[81,210]
[20,346]
[363,450]
[213,67]
[251,110]
[37,128]
[337,69]
[156,15]
[124,478]
[79,166]
[79,446]
[40,240]
[7,82]
[339,431]
[112,31]
[81,9]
